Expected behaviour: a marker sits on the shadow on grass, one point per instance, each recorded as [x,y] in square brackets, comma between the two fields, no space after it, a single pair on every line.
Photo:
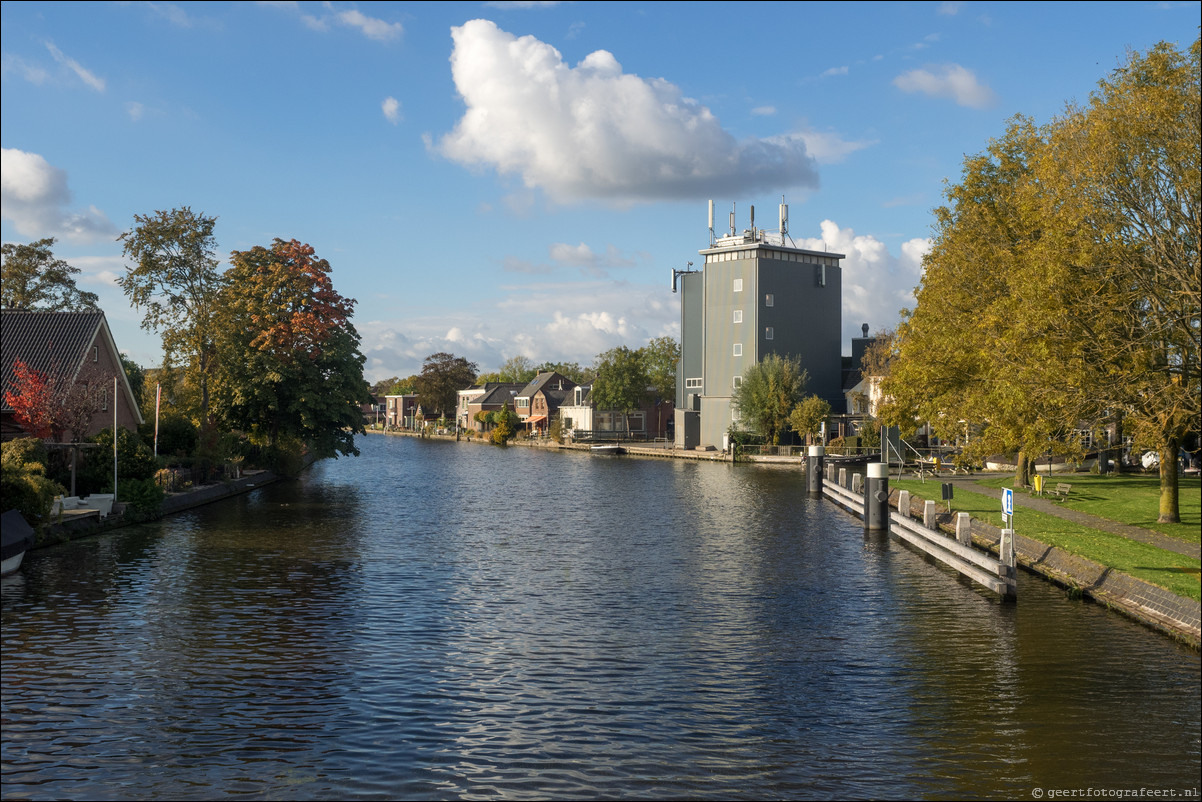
[1173,570]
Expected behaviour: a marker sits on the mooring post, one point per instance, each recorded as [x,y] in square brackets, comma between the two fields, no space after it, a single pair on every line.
[843,478]
[928,515]
[876,497]
[1007,562]
[903,502]
[814,466]
[964,528]
[855,483]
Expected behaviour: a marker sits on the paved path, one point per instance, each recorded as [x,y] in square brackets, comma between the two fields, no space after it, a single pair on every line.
[1024,499]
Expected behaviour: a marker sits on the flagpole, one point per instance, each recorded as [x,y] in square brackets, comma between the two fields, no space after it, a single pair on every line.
[114,439]
[158,397]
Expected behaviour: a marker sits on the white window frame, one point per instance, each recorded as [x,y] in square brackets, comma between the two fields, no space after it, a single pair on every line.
[738,316]
[768,333]
[769,300]
[693,384]
[738,349]
[738,285]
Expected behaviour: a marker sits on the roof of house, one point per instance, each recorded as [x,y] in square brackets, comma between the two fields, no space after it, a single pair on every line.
[499,393]
[551,384]
[53,343]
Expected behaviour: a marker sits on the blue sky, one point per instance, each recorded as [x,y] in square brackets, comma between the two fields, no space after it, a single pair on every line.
[494,179]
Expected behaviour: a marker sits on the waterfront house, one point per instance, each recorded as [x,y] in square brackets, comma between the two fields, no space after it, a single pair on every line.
[540,400]
[74,351]
[495,396]
[400,411]
[583,421]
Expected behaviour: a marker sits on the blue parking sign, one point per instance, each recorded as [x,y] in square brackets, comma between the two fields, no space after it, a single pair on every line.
[1007,502]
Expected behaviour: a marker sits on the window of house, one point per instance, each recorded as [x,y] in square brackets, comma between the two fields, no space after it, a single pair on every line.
[768,332]
[738,286]
[820,275]
[692,384]
[738,349]
[95,353]
[736,381]
[104,399]
[738,316]
[769,300]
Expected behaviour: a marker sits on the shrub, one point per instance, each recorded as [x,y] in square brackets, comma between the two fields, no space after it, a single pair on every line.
[134,461]
[143,498]
[23,482]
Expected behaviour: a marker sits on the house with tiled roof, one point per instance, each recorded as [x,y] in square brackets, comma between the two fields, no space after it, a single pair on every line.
[493,397]
[538,401]
[69,348]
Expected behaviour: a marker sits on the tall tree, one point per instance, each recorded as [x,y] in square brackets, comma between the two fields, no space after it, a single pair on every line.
[661,356]
[1125,170]
[443,376]
[517,369]
[290,365]
[807,417]
[621,383]
[767,393]
[175,282]
[32,278]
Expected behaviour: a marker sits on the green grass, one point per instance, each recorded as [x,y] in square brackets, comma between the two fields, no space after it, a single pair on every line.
[1166,569]
[1129,499]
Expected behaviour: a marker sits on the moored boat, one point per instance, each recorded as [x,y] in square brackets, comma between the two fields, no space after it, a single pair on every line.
[16,537]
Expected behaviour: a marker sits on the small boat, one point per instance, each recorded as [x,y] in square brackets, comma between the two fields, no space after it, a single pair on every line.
[16,537]
[608,450]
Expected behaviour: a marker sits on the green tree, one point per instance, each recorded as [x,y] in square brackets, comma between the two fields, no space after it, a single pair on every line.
[31,278]
[517,369]
[505,424]
[807,417]
[621,383]
[175,282]
[767,393]
[1125,173]
[443,376]
[290,366]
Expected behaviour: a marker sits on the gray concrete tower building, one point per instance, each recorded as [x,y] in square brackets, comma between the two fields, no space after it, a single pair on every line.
[755,294]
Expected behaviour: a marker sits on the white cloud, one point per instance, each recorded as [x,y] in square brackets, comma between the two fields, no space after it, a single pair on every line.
[949,8]
[392,110]
[830,148]
[75,67]
[30,72]
[34,196]
[950,81]
[174,14]
[833,71]
[764,111]
[371,27]
[587,260]
[592,131]
[877,284]
[135,110]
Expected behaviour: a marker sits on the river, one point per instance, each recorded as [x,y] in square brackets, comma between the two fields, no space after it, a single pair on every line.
[435,620]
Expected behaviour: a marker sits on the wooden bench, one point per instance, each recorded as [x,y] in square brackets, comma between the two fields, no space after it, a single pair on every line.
[1062,489]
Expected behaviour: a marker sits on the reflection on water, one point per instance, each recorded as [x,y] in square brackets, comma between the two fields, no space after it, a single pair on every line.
[449,621]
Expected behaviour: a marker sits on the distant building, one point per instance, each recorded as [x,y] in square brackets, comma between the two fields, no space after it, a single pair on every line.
[756,294]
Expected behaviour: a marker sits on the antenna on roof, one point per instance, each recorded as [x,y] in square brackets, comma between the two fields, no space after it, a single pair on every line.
[678,273]
[711,222]
[732,219]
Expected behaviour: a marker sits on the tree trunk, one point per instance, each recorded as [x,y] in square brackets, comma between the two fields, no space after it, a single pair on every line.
[1022,471]
[1169,510]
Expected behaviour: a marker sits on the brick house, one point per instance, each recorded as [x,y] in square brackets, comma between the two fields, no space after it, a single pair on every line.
[73,349]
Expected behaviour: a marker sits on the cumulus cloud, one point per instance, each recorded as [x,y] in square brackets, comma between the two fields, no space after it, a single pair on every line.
[34,196]
[877,284]
[827,147]
[75,67]
[392,110]
[593,131]
[588,261]
[949,81]
[764,111]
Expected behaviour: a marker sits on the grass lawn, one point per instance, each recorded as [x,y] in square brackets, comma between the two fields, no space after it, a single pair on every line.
[1167,569]
[1130,499]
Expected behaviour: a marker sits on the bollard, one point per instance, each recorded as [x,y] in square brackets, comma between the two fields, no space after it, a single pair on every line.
[876,497]
[1007,562]
[843,478]
[964,528]
[814,469]
[903,502]
[928,515]
[856,486]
